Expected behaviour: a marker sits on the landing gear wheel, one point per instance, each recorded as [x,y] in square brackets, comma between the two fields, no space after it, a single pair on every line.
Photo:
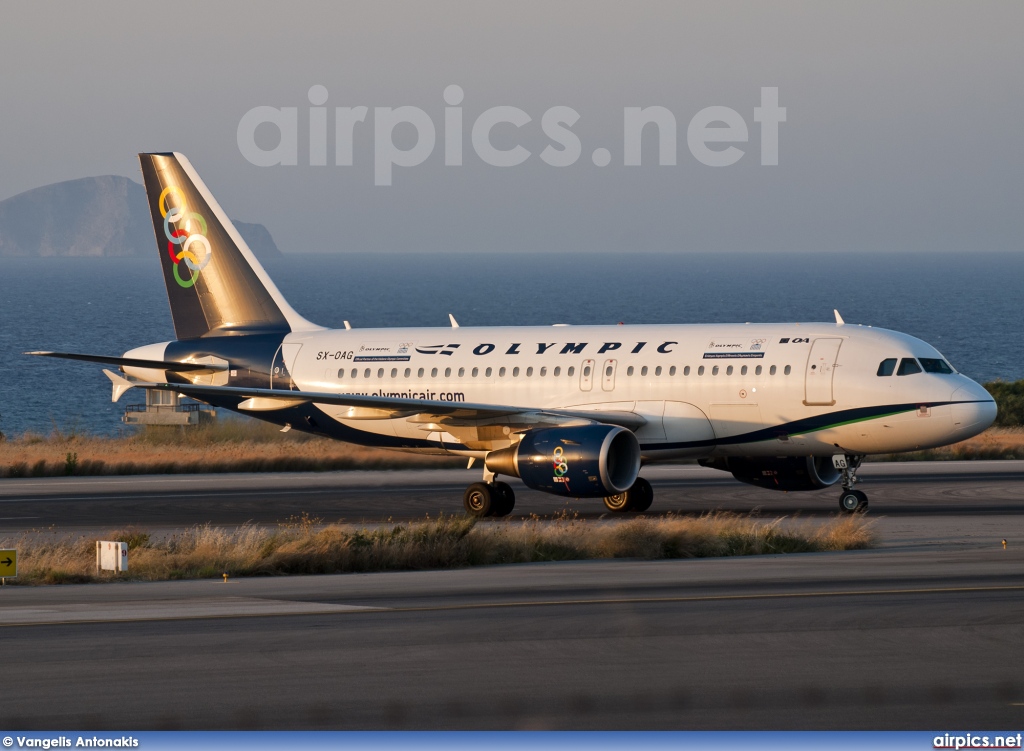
[505,499]
[852,501]
[619,503]
[641,495]
[638,498]
[479,499]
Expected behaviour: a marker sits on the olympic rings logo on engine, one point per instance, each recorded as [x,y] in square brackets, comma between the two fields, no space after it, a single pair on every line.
[190,235]
[561,467]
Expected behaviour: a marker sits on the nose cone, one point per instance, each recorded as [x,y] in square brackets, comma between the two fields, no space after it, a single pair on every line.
[974,410]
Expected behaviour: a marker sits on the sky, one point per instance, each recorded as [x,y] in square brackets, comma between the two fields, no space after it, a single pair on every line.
[902,129]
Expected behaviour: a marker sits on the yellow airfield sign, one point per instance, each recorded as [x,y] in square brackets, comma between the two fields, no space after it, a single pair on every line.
[8,563]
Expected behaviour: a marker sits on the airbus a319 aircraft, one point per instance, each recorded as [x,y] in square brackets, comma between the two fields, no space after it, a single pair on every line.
[570,410]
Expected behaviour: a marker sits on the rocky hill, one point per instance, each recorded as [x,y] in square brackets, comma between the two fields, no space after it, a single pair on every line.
[93,216]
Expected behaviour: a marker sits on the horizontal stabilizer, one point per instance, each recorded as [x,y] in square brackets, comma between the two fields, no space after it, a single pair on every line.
[120,384]
[131,362]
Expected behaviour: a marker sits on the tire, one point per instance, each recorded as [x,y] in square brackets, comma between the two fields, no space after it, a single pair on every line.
[620,503]
[852,501]
[506,499]
[641,495]
[479,500]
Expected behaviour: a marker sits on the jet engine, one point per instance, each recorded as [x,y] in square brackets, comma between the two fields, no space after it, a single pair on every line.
[780,473]
[585,461]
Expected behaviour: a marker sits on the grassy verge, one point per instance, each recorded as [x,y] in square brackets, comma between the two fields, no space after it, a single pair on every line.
[237,446]
[994,443]
[307,547]
[225,446]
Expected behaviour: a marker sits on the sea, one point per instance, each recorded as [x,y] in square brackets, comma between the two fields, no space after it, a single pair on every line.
[969,306]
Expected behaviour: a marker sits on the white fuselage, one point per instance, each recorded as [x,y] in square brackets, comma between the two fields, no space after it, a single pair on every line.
[704,390]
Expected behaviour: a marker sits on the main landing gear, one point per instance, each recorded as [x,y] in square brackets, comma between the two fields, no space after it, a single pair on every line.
[489,499]
[851,501]
[638,498]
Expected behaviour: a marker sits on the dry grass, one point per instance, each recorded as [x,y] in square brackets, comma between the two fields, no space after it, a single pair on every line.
[994,443]
[251,446]
[227,446]
[308,547]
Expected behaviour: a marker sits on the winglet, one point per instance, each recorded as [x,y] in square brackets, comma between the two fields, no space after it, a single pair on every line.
[455,324]
[120,384]
[839,318]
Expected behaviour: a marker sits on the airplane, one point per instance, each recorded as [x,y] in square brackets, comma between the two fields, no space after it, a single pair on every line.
[574,411]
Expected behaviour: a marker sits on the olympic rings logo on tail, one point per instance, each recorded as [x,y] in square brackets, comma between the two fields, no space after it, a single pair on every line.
[191,237]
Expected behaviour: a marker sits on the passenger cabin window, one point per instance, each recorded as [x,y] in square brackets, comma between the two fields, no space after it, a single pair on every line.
[672,370]
[408,372]
[908,366]
[558,372]
[586,372]
[529,372]
[476,372]
[366,373]
[657,371]
[447,372]
[394,372]
[433,372]
[788,370]
[886,367]
[643,370]
[419,373]
[771,370]
[757,370]
[462,372]
[714,370]
[934,365]
[515,372]
[686,370]
[487,373]
[629,370]
[380,372]
[570,371]
[728,371]
[501,372]
[700,370]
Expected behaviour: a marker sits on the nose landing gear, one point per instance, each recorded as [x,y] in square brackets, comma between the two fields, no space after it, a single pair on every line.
[851,501]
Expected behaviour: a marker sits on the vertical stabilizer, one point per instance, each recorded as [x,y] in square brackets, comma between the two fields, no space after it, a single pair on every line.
[215,285]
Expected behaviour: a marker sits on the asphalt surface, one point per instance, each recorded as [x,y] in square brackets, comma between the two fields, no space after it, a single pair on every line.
[922,633]
[175,501]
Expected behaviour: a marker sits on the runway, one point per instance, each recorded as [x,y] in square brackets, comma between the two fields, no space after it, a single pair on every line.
[174,501]
[873,639]
[922,632]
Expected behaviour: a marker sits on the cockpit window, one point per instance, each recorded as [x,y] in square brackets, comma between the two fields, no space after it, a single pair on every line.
[908,366]
[887,366]
[935,365]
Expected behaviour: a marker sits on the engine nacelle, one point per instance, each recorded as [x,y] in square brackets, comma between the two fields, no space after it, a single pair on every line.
[585,461]
[781,473]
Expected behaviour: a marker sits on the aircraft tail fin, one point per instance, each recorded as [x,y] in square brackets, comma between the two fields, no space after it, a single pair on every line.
[215,285]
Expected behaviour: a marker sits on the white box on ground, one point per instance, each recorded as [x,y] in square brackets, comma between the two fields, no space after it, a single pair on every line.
[111,556]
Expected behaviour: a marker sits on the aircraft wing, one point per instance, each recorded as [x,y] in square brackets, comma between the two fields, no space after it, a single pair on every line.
[444,414]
